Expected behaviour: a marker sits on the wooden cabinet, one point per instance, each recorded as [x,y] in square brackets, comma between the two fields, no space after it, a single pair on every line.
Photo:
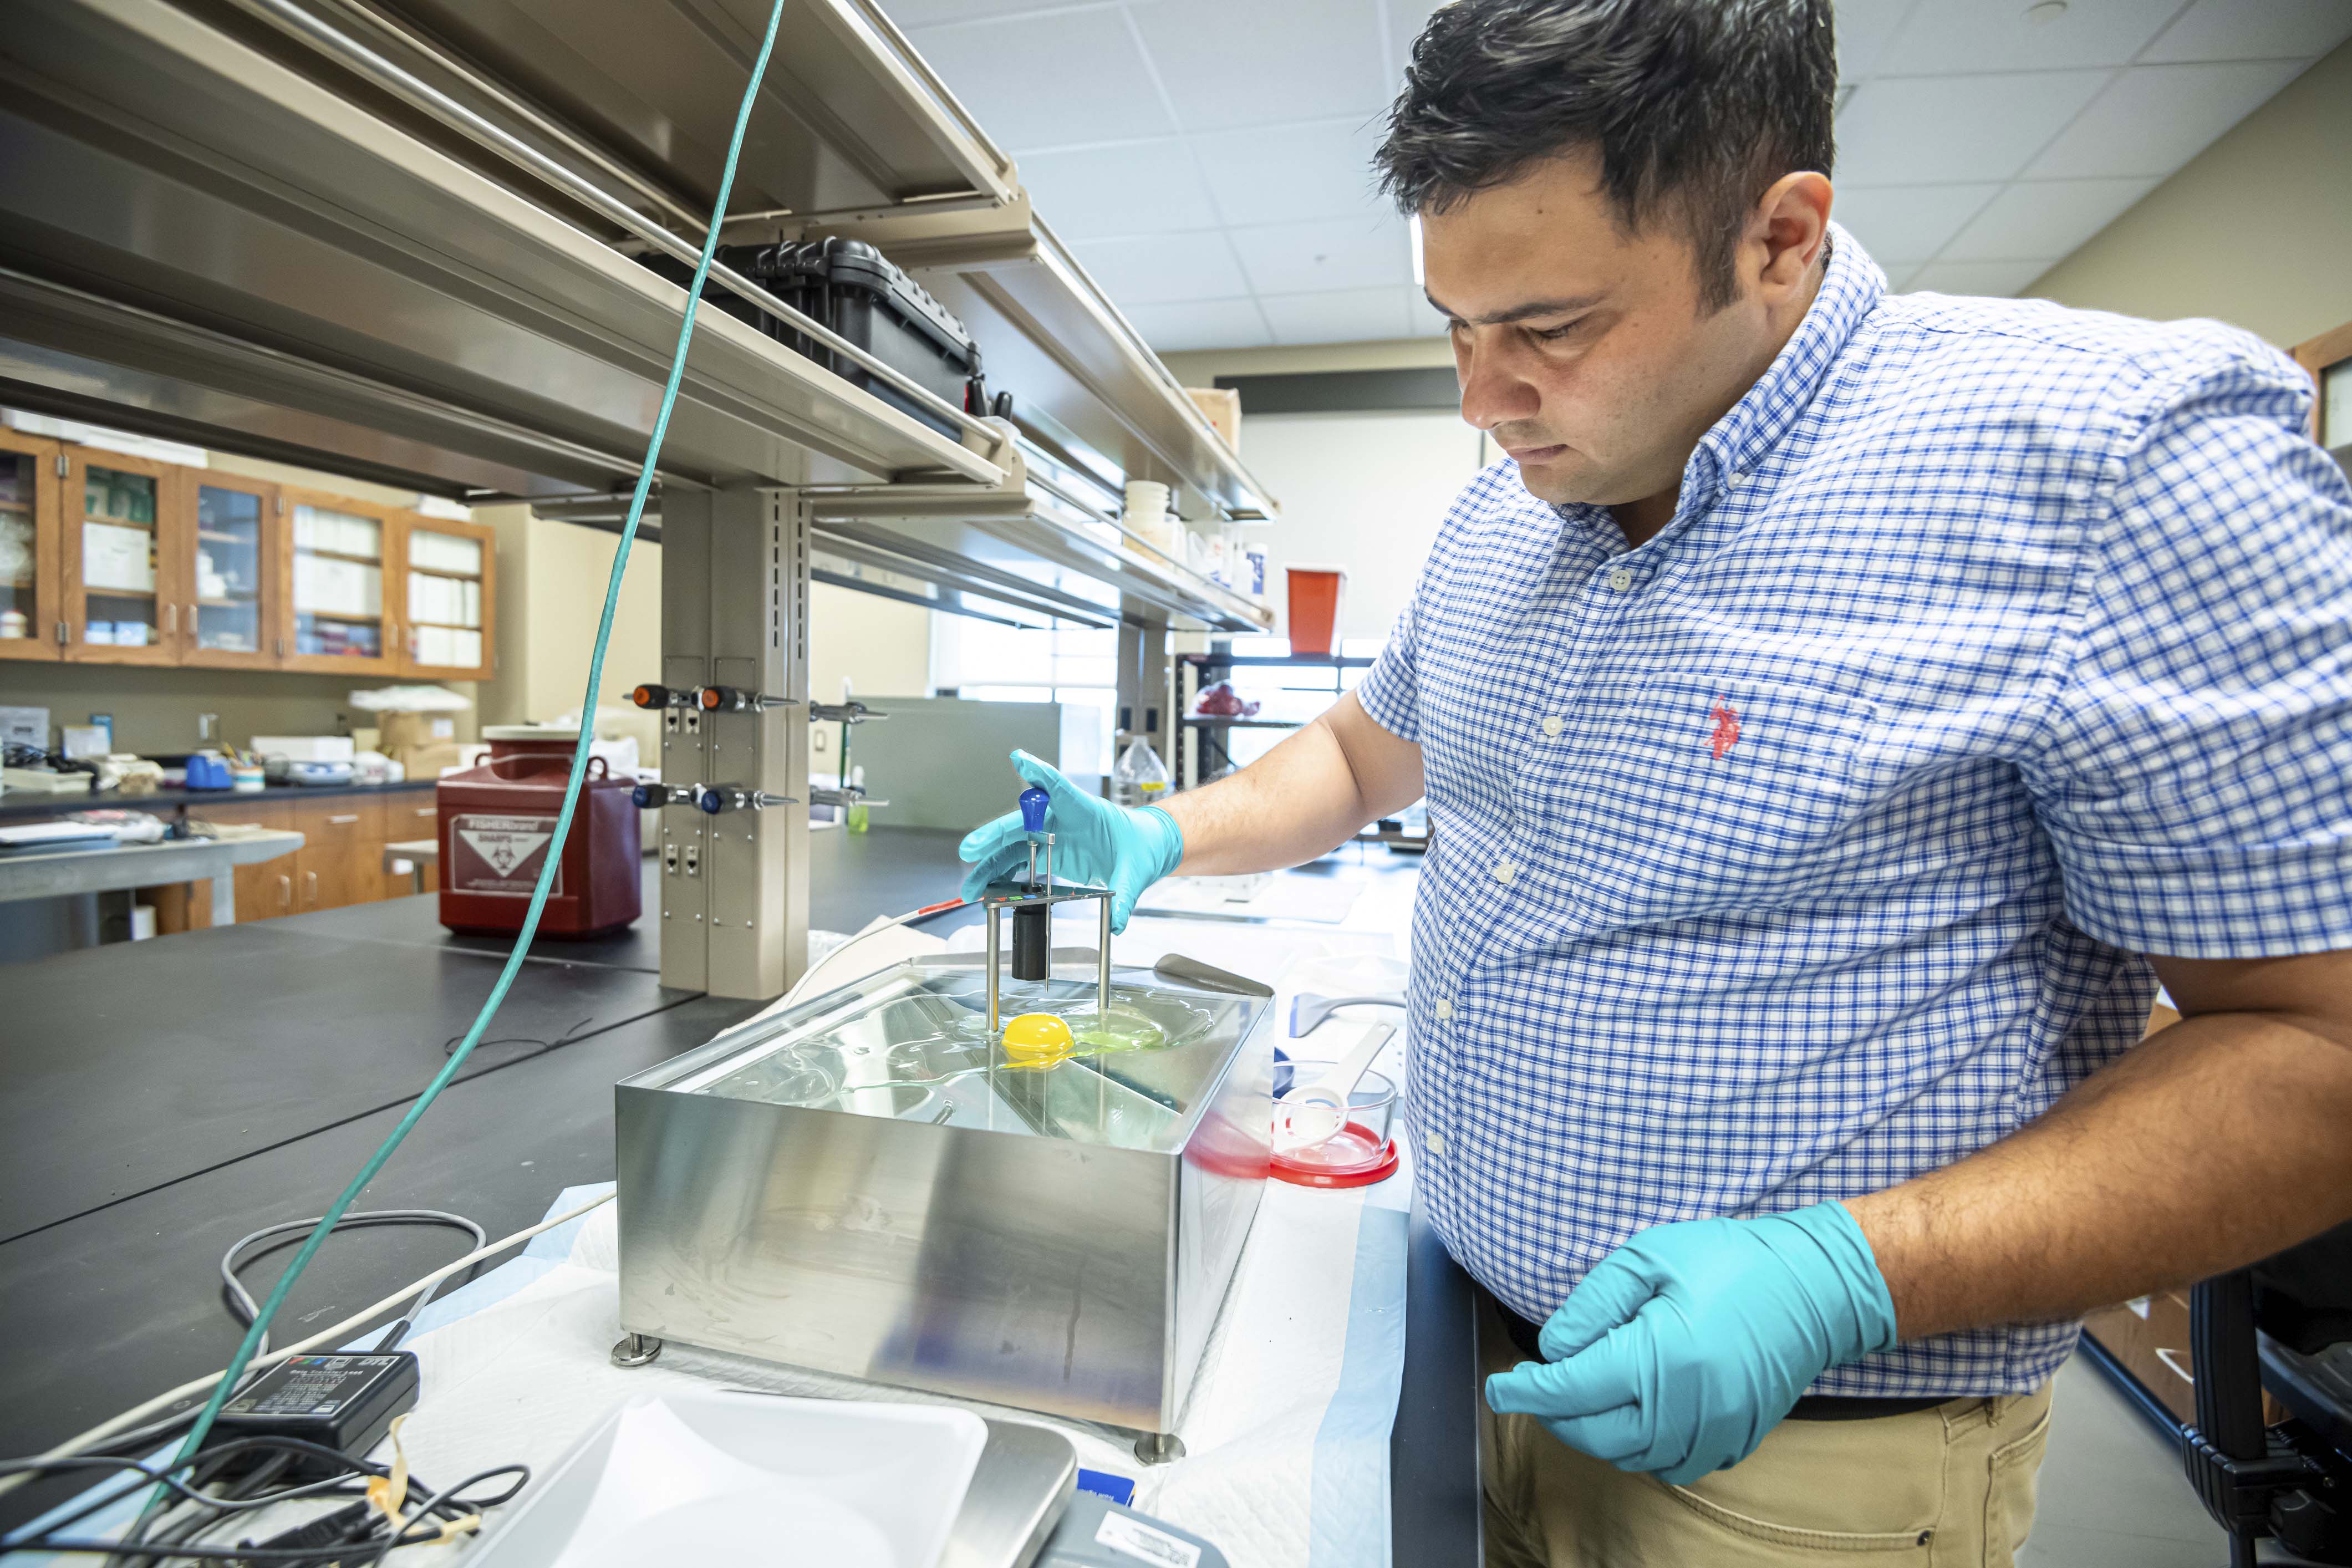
[232,602]
[120,556]
[341,852]
[450,601]
[265,889]
[32,614]
[110,559]
[337,574]
[341,858]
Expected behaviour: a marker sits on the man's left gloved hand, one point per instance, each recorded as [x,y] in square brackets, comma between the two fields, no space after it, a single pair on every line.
[1685,1346]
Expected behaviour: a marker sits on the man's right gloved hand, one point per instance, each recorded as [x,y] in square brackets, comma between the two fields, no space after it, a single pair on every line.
[1120,847]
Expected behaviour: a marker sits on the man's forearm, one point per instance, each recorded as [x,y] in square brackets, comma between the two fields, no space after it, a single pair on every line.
[2216,1141]
[1300,800]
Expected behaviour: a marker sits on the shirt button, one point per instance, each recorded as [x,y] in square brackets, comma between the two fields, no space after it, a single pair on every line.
[1553,724]
[1504,871]
[1445,1010]
[1621,581]
[1435,1141]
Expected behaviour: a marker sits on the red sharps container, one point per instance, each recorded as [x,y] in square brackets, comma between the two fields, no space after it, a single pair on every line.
[496,824]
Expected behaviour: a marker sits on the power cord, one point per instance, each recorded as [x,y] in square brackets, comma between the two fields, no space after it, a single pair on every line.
[366,1174]
[338,1537]
[240,1302]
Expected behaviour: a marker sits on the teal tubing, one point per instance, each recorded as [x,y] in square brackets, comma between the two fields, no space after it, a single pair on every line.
[441,1080]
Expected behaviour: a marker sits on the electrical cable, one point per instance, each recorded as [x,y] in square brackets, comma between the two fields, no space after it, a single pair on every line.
[399,1134]
[83,1445]
[240,1301]
[174,1538]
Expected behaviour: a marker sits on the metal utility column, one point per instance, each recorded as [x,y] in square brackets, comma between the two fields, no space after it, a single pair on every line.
[735,575]
[1143,669]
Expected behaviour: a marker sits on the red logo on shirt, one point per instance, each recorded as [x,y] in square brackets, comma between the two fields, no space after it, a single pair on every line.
[1726,727]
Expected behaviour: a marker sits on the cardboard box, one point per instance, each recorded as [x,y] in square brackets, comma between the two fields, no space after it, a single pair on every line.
[1222,408]
[431,761]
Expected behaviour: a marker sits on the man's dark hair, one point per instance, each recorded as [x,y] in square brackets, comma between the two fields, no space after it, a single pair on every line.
[1694,107]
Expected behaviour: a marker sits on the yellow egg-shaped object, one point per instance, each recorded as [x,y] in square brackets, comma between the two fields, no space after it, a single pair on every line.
[1038,1038]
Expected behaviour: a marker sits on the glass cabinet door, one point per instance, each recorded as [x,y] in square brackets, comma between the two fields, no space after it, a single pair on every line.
[119,566]
[449,568]
[31,618]
[230,590]
[339,619]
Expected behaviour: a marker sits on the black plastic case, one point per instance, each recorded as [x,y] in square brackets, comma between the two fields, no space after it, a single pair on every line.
[856,290]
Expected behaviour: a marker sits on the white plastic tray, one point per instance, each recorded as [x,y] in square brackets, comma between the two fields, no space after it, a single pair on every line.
[682,1479]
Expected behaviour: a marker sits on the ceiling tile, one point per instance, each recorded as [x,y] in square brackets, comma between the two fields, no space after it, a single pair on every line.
[1283,173]
[2153,119]
[910,14]
[1907,223]
[1999,278]
[1246,62]
[1360,252]
[1864,28]
[1160,269]
[2252,30]
[1406,20]
[1945,36]
[1000,69]
[1944,129]
[1205,324]
[1340,315]
[2043,218]
[1135,187]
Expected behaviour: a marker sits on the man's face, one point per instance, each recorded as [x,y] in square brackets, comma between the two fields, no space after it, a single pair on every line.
[1585,350]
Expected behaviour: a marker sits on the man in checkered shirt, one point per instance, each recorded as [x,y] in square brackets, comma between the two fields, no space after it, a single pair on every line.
[1836,716]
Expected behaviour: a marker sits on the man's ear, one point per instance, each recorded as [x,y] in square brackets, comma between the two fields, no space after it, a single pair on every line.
[1786,236]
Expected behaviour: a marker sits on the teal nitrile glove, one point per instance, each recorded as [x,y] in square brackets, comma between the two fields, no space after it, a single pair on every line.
[1120,847]
[1685,1346]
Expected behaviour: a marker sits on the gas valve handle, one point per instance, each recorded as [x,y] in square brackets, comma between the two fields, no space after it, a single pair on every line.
[652,696]
[735,699]
[715,799]
[649,795]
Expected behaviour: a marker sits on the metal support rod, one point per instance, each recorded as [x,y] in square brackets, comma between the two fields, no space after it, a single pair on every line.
[1102,970]
[423,95]
[994,939]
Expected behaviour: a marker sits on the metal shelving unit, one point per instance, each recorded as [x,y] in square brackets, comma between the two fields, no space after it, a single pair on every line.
[401,239]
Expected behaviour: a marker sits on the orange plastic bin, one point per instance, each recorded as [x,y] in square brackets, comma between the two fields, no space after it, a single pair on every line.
[1316,594]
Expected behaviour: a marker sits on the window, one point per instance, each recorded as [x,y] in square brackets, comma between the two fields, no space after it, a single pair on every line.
[1076,667]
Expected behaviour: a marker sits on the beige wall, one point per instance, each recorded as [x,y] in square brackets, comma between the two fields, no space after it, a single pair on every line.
[552,584]
[2255,230]
[553,578]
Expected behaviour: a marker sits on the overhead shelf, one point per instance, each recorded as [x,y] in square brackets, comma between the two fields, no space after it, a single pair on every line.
[204,238]
[1027,536]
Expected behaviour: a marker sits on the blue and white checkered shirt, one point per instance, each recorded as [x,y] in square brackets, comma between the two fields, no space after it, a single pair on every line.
[1811,845]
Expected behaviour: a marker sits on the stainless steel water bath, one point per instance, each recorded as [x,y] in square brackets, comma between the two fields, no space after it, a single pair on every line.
[863,1184]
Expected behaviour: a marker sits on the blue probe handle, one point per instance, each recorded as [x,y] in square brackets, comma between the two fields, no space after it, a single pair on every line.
[1034,802]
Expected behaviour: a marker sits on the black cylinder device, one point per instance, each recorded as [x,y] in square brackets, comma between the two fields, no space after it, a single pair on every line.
[1033,943]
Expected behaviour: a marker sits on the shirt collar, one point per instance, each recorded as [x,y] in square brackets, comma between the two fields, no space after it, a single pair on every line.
[1852,286]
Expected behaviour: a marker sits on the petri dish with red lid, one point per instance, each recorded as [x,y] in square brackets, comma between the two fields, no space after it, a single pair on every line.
[1360,1153]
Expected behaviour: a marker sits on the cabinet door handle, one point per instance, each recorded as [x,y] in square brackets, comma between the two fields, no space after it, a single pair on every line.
[310,886]
[171,620]
[285,892]
[354,816]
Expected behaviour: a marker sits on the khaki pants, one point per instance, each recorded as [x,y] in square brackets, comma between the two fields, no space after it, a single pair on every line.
[1947,1488]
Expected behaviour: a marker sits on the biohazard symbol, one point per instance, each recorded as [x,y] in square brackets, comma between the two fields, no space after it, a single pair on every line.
[1726,727]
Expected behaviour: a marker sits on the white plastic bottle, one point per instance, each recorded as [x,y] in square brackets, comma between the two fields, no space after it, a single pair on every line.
[1140,778]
